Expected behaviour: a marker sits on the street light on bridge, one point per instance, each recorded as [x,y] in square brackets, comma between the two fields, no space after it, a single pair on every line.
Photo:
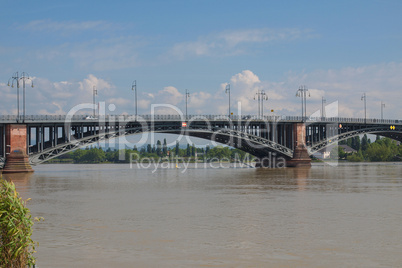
[322,109]
[261,96]
[187,96]
[365,109]
[95,92]
[302,93]
[134,87]
[24,77]
[382,110]
[227,91]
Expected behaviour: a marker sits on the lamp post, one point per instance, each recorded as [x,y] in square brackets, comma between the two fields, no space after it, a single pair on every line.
[187,96]
[258,100]
[365,109]
[382,110]
[322,109]
[134,87]
[302,93]
[227,91]
[24,77]
[261,96]
[95,92]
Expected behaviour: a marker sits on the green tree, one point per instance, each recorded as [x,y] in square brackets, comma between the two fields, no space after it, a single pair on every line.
[164,149]
[78,155]
[382,150]
[188,150]
[93,155]
[357,157]
[349,142]
[219,152]
[159,148]
[365,143]
[177,148]
[112,156]
[237,154]
[193,150]
[357,143]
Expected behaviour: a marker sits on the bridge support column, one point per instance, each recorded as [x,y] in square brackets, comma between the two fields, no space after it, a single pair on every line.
[16,151]
[301,157]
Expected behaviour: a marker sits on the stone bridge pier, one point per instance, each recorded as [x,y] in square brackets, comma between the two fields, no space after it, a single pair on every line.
[16,149]
[301,157]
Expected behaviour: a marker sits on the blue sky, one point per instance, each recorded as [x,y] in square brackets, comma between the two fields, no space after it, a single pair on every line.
[338,49]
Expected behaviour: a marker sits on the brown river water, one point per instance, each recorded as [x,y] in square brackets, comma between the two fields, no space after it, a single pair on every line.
[117,216]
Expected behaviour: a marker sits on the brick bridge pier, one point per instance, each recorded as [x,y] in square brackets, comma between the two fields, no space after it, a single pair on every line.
[16,149]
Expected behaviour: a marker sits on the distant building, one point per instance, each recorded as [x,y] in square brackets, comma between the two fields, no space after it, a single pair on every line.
[325,153]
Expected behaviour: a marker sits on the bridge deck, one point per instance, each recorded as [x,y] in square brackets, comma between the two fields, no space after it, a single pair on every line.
[7,119]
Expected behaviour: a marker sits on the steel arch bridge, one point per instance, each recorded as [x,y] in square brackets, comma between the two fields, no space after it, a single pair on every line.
[249,143]
[46,137]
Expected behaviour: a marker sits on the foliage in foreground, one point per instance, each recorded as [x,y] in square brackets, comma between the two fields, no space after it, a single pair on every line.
[16,245]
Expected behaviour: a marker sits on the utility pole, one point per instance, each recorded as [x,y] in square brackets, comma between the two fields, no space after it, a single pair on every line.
[134,87]
[24,77]
[323,108]
[261,96]
[365,109]
[302,93]
[95,92]
[258,100]
[187,96]
[227,91]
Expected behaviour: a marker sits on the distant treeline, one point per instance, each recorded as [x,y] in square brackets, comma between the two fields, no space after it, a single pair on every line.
[156,151]
[383,149]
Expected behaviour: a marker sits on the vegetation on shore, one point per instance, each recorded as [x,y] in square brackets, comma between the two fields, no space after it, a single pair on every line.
[95,155]
[16,245]
[382,150]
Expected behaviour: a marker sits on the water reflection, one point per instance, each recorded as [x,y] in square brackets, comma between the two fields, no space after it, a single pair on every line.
[21,179]
[301,174]
[110,215]
[21,182]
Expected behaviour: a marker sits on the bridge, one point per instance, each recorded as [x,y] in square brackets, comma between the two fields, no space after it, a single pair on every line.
[42,137]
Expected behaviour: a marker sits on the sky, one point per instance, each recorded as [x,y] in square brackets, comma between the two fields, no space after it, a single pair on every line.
[337,49]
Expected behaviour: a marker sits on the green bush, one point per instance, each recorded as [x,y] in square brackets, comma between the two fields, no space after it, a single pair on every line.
[16,245]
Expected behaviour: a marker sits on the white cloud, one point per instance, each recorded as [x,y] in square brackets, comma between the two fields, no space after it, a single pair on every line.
[119,101]
[68,26]
[380,82]
[230,42]
[200,99]
[55,97]
[170,95]
[110,54]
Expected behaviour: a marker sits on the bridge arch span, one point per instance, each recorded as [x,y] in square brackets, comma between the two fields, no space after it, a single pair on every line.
[255,145]
[381,130]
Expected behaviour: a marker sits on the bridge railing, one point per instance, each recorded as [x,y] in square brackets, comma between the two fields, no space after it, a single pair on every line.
[271,118]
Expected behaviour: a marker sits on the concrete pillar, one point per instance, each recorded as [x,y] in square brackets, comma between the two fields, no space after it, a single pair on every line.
[16,151]
[300,154]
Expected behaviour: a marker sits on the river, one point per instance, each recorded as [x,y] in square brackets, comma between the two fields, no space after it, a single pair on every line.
[116,216]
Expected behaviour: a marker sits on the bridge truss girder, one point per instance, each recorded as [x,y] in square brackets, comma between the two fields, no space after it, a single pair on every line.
[376,130]
[252,144]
